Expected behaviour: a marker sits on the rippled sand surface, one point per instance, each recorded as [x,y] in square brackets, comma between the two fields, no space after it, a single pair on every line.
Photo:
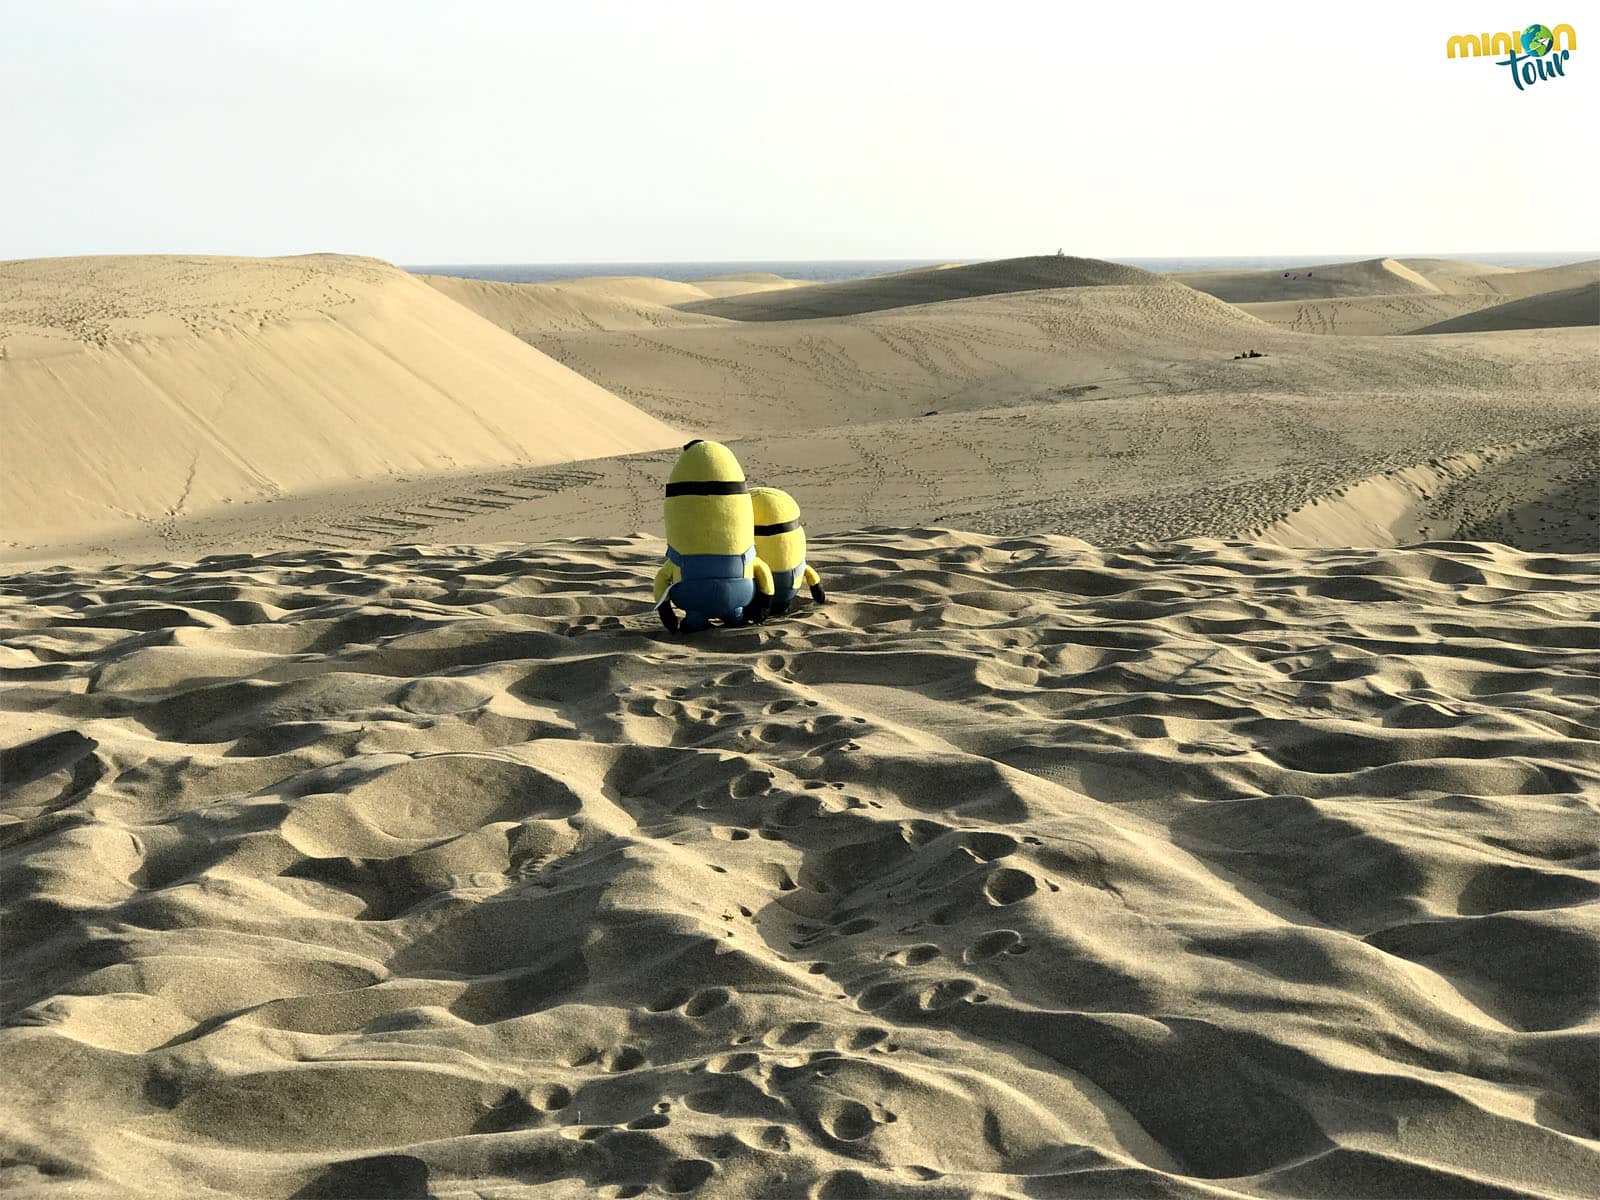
[1021,868]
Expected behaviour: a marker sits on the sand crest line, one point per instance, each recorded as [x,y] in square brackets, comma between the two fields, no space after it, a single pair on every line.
[1389,509]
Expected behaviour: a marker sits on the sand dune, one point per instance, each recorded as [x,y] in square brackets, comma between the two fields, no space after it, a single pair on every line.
[1514,285]
[1389,296]
[607,303]
[899,361]
[1365,316]
[530,309]
[1375,277]
[140,388]
[1026,347]
[1536,494]
[1573,306]
[924,286]
[1112,412]
[746,282]
[1119,469]
[1022,868]
[1443,272]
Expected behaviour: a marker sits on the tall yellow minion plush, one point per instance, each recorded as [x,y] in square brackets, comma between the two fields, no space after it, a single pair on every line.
[711,571]
[781,545]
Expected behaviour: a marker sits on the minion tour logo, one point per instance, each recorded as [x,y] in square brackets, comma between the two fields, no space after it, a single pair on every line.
[1541,54]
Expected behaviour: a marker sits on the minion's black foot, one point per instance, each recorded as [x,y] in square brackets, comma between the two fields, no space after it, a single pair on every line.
[756,611]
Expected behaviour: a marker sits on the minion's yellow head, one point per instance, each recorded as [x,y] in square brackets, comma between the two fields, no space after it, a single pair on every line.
[708,503]
[780,539]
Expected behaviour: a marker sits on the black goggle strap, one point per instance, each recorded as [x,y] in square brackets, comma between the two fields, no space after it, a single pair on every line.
[708,487]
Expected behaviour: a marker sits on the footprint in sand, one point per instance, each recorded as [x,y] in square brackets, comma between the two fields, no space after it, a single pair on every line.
[858,925]
[861,1039]
[708,1001]
[751,783]
[915,956]
[879,995]
[685,1175]
[986,846]
[792,1034]
[997,942]
[843,1185]
[707,1100]
[773,1137]
[1009,886]
[623,1058]
[550,1097]
[847,1120]
[943,995]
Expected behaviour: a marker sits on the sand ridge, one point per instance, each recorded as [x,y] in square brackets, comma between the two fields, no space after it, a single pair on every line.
[956,353]
[1571,306]
[743,283]
[1201,869]
[141,388]
[1378,276]
[615,302]
[925,285]
[1368,315]
[1514,285]
[530,309]
[1390,296]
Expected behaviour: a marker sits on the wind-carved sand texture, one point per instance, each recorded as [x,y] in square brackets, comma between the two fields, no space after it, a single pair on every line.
[1021,868]
[138,390]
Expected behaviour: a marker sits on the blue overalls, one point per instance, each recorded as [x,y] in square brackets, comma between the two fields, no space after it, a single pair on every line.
[785,584]
[713,586]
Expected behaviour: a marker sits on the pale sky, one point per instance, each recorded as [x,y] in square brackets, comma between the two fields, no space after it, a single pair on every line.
[618,130]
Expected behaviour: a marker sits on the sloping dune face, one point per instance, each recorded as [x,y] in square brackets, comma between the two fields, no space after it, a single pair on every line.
[1367,315]
[1019,869]
[601,303]
[587,305]
[925,286]
[1443,272]
[974,351]
[742,283]
[1572,306]
[1391,296]
[139,388]
[1374,277]
[1518,284]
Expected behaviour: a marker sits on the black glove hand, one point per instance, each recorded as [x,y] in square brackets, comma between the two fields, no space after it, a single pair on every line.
[756,611]
[669,617]
[817,594]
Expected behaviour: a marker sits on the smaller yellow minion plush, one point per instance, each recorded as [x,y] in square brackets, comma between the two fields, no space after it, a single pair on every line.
[712,571]
[781,544]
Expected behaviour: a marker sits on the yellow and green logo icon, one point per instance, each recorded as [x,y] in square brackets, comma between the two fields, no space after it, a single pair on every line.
[1534,54]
